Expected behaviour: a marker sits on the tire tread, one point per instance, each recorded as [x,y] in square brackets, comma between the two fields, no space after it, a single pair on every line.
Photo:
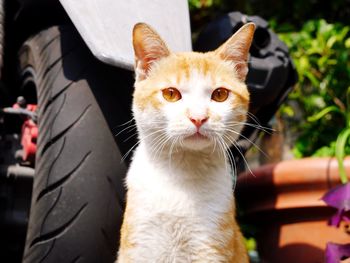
[78,190]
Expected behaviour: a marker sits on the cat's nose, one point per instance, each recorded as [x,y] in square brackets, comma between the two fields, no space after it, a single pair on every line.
[198,122]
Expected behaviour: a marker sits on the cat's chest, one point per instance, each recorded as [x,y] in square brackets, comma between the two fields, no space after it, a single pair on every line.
[168,238]
[157,188]
[172,216]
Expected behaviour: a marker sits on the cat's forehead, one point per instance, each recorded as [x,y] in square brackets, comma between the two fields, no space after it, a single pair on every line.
[192,64]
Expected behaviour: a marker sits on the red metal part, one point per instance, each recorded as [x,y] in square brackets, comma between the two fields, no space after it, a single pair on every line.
[28,141]
[29,136]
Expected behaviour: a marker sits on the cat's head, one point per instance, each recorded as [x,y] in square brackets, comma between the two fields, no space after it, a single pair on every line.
[197,101]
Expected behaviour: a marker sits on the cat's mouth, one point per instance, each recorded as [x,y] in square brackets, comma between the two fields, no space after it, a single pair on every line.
[196,141]
[197,136]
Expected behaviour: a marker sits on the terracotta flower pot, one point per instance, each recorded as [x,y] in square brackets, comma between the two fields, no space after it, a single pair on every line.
[283,201]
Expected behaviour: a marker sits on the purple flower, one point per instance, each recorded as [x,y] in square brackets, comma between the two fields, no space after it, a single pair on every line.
[337,252]
[339,198]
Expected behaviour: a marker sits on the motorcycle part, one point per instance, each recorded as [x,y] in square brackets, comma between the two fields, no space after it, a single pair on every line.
[15,192]
[28,141]
[78,192]
[106,25]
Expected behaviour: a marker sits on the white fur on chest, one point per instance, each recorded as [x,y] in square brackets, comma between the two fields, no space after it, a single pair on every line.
[176,206]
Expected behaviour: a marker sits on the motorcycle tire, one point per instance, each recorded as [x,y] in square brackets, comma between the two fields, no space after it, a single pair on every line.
[78,191]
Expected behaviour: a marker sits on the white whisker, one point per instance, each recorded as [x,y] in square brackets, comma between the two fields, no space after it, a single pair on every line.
[223,151]
[264,129]
[137,143]
[123,124]
[254,144]
[132,135]
[171,151]
[128,129]
[234,144]
[129,151]
[232,163]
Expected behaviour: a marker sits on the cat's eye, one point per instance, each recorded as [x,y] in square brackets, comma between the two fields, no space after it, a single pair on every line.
[220,95]
[171,94]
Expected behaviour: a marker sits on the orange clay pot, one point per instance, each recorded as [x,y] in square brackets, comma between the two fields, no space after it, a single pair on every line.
[284,201]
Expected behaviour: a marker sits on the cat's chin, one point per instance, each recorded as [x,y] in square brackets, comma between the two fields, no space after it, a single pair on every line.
[197,142]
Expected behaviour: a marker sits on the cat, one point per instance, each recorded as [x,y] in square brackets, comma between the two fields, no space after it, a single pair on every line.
[189,109]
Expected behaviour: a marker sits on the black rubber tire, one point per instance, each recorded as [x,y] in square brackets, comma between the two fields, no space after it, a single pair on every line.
[78,192]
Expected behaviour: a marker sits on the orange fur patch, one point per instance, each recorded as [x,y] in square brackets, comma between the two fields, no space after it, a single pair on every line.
[232,245]
[126,232]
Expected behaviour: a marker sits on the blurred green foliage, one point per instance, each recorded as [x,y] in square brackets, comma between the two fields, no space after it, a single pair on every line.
[318,106]
[284,15]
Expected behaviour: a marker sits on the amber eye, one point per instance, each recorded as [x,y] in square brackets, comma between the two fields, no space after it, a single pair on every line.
[220,94]
[171,94]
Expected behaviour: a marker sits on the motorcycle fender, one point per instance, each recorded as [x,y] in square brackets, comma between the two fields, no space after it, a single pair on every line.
[106,25]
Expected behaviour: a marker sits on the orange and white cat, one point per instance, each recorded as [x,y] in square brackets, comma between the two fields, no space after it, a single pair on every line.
[189,109]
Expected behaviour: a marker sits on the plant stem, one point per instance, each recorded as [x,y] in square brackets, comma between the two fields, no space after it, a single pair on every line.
[340,153]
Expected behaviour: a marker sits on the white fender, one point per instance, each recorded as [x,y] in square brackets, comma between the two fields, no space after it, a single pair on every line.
[106,25]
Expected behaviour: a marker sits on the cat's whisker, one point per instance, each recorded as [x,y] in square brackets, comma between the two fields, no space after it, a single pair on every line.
[255,119]
[129,151]
[170,152]
[150,134]
[121,125]
[234,144]
[259,127]
[136,144]
[159,146]
[262,128]
[125,123]
[224,153]
[128,129]
[234,169]
[214,147]
[134,125]
[253,143]
[156,140]
[132,135]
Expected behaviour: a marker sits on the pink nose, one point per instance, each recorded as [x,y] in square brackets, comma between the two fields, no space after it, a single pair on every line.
[198,122]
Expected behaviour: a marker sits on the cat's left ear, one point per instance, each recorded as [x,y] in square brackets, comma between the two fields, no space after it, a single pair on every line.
[236,49]
[148,47]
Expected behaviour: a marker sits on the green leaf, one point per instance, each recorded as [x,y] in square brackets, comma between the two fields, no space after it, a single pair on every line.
[331,41]
[323,112]
[348,107]
[288,110]
[325,151]
[347,43]
[250,244]
[312,78]
[340,153]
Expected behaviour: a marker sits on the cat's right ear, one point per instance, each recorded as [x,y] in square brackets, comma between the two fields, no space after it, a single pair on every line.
[236,49]
[148,47]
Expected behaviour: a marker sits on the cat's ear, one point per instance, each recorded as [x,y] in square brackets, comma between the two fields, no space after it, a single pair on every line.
[236,49]
[148,47]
